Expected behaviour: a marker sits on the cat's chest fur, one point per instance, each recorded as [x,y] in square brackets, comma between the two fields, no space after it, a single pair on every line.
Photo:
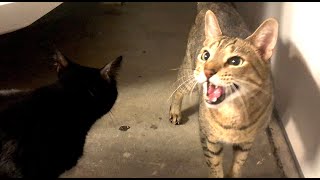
[233,122]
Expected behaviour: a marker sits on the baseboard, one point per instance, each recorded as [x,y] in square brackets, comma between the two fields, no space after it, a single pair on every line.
[283,149]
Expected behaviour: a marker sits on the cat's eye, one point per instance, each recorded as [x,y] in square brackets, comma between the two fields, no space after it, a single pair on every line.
[235,61]
[205,55]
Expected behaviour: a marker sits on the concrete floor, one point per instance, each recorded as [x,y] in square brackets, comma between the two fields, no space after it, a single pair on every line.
[152,38]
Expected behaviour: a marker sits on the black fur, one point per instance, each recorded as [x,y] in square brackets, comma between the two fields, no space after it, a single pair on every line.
[43,132]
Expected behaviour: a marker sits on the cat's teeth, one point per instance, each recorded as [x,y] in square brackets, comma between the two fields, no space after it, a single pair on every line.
[214,99]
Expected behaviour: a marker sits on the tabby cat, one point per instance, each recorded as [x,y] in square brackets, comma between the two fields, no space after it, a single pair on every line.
[231,68]
[43,131]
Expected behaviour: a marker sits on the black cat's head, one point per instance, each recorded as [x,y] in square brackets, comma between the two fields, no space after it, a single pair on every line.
[92,84]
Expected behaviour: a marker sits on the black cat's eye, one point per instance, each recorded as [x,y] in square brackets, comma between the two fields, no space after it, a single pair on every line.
[235,61]
[205,55]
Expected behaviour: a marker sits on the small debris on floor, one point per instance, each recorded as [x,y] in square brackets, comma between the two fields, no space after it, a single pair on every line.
[144,51]
[139,76]
[154,126]
[160,118]
[162,165]
[124,128]
[126,155]
[260,162]
[154,173]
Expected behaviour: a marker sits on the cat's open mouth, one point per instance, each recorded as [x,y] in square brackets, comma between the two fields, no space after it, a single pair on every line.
[216,94]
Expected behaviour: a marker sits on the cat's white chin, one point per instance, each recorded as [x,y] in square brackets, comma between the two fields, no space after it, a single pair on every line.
[212,106]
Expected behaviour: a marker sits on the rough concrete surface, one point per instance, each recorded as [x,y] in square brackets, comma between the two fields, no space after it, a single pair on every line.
[152,38]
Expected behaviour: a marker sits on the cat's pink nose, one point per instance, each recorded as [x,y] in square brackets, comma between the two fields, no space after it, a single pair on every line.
[209,73]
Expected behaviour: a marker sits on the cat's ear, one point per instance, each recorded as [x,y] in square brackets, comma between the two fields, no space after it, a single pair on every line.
[212,28]
[265,38]
[60,60]
[110,70]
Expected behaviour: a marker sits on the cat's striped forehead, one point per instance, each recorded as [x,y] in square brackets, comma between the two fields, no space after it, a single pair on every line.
[228,45]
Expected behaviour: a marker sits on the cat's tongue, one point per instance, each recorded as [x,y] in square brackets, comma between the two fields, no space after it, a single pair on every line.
[214,92]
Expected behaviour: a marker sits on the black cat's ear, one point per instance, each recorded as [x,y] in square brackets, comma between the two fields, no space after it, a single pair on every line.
[110,70]
[60,60]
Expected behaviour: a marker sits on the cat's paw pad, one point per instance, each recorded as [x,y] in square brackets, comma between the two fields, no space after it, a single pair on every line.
[175,116]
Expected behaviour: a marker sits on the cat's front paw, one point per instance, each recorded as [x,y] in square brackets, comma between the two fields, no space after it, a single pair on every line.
[233,175]
[174,115]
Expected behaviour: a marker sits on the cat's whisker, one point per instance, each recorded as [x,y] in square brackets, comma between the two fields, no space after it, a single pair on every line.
[186,77]
[253,95]
[192,89]
[112,118]
[188,86]
[242,100]
[188,80]
[252,85]
[175,69]
[228,92]
[246,91]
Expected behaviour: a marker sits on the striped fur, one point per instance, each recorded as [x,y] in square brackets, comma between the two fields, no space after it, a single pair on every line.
[247,108]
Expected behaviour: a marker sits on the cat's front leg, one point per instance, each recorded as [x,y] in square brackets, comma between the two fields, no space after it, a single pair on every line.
[185,84]
[240,155]
[175,108]
[213,152]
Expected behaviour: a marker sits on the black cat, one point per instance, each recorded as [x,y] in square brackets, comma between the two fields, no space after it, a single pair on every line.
[43,131]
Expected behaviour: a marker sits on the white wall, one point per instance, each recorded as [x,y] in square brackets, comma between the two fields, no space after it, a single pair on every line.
[296,71]
[16,15]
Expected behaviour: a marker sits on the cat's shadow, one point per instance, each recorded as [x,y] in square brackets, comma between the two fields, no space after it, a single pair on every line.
[186,113]
[300,98]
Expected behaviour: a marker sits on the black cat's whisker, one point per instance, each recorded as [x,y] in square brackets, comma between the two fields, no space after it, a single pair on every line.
[111,117]
[116,121]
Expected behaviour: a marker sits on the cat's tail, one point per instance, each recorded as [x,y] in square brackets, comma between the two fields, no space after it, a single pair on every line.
[206,5]
[13,93]
[12,96]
